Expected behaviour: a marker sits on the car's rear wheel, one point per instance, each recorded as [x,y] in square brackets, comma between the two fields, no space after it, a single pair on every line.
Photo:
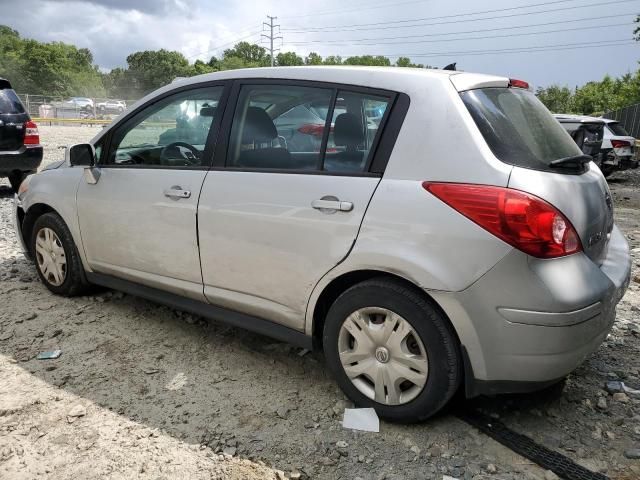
[56,256]
[390,349]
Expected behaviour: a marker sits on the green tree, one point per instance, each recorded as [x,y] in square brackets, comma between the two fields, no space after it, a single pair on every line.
[636,31]
[556,98]
[313,59]
[378,60]
[250,53]
[333,60]
[406,62]
[152,69]
[288,59]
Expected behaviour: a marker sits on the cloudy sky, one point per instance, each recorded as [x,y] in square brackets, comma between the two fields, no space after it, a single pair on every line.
[543,41]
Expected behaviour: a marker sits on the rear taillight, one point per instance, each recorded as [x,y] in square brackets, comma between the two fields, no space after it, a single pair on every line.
[520,219]
[31,135]
[620,143]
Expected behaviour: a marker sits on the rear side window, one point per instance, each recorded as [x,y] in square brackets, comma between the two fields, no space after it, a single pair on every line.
[301,128]
[618,129]
[518,128]
[10,103]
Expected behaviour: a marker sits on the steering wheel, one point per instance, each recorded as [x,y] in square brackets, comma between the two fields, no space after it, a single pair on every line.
[192,159]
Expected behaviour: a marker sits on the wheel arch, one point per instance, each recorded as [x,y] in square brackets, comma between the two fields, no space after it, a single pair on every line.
[331,291]
[29,219]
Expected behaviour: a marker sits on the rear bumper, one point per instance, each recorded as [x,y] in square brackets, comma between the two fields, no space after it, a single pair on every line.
[529,322]
[25,159]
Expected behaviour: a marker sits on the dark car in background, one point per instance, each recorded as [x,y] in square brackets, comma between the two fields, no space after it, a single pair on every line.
[20,149]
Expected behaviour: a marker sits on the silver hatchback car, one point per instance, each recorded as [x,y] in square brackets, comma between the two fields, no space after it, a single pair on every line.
[444,233]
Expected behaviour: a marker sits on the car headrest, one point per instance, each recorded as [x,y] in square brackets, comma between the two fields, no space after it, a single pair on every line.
[258,126]
[347,131]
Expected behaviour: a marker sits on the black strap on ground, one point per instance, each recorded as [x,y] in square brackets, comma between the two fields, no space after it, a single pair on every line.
[562,466]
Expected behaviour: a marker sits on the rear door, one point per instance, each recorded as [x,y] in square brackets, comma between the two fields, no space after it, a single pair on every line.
[520,131]
[275,215]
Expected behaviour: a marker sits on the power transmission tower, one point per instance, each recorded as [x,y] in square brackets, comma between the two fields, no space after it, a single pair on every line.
[271,36]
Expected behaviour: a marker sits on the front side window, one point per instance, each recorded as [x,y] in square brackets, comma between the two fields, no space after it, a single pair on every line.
[170,133]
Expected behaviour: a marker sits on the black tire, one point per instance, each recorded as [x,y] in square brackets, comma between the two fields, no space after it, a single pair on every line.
[15,179]
[75,280]
[435,332]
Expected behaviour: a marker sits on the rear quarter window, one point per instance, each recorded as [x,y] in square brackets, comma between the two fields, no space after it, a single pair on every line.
[10,103]
[518,128]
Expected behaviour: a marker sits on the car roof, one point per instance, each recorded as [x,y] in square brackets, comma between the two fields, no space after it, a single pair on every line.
[396,78]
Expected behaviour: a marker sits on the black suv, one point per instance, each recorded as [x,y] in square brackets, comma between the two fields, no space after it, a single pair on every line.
[20,149]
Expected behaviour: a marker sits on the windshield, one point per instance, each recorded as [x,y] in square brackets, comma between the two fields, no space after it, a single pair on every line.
[9,102]
[617,129]
[518,128]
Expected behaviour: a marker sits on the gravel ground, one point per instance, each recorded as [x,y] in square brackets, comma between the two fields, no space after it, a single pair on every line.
[149,392]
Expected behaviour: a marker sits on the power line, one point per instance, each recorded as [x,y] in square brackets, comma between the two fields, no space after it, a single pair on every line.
[376,26]
[358,8]
[232,42]
[540,48]
[403,37]
[509,35]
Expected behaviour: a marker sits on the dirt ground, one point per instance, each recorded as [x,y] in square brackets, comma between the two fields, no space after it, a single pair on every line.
[143,391]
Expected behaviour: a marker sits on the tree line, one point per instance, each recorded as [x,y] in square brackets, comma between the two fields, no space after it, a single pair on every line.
[60,69]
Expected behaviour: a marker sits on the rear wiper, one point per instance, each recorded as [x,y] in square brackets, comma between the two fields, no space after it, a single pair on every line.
[571,162]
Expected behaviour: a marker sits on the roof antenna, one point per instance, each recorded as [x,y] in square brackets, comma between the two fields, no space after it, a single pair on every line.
[451,66]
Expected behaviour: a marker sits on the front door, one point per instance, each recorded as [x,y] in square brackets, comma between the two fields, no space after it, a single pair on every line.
[284,209]
[138,222]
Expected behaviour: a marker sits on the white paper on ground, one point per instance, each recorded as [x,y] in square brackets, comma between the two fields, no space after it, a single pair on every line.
[364,419]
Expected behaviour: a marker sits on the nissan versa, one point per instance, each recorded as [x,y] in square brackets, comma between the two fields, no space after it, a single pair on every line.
[444,233]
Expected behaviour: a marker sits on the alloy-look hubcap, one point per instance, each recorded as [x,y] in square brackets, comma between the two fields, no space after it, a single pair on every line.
[383,355]
[50,256]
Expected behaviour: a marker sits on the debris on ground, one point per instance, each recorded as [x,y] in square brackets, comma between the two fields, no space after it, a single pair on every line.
[364,419]
[50,355]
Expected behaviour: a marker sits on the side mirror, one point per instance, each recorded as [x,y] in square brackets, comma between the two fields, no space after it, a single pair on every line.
[81,155]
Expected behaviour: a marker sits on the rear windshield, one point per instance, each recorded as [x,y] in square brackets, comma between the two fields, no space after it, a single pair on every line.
[9,102]
[618,129]
[518,128]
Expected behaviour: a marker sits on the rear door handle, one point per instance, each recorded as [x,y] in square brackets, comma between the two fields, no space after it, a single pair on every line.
[176,192]
[332,205]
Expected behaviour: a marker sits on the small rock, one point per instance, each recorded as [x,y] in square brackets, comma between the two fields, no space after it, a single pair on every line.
[602,403]
[295,475]
[621,397]
[230,451]
[75,413]
[341,444]
[491,468]
[415,449]
[151,371]
[549,475]
[614,386]
[632,453]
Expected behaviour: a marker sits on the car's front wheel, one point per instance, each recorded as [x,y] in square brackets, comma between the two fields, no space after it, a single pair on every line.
[56,256]
[391,350]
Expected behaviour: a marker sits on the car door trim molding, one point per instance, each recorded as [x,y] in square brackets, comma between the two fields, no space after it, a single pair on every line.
[384,141]
[207,310]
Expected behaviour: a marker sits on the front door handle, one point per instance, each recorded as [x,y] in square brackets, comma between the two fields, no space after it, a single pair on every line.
[329,205]
[176,192]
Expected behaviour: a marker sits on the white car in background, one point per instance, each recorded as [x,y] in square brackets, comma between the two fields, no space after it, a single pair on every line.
[618,145]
